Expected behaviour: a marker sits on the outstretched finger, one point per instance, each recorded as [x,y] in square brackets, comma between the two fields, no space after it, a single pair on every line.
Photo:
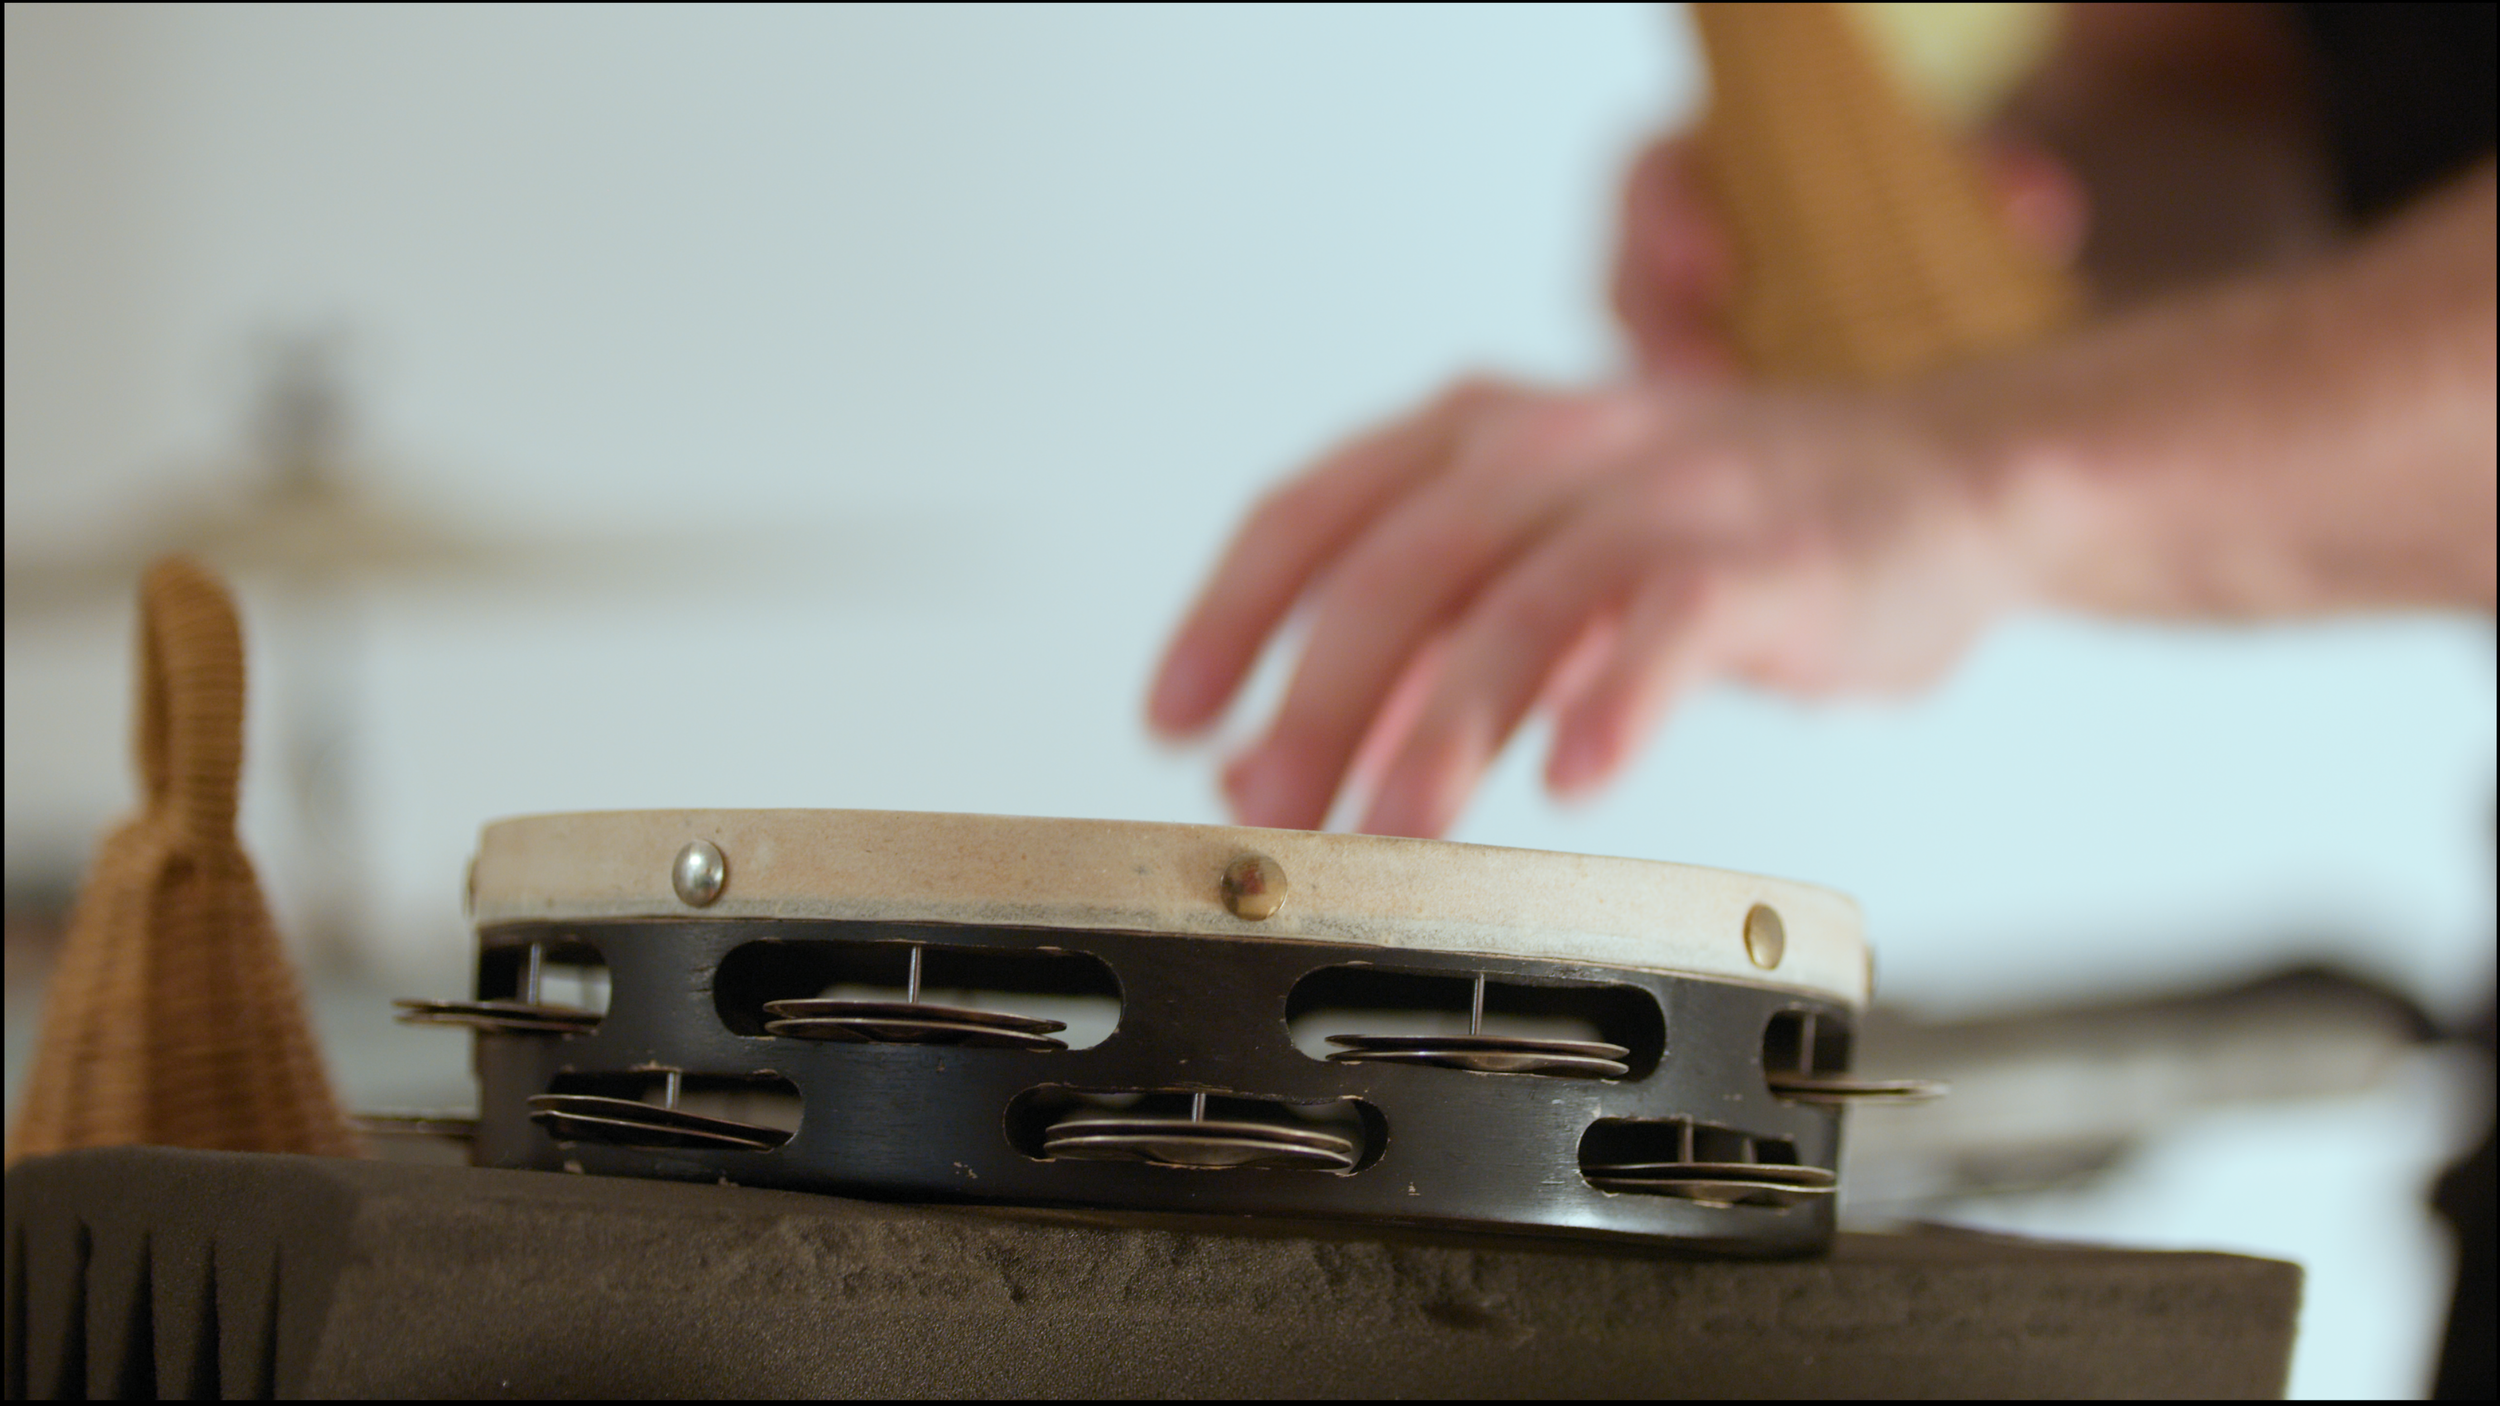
[1394,592]
[1289,539]
[1660,651]
[1503,656]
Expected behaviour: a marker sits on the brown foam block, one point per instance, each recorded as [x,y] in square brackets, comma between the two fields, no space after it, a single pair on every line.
[146,1271]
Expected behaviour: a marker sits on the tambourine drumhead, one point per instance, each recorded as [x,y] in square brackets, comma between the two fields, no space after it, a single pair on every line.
[1130,876]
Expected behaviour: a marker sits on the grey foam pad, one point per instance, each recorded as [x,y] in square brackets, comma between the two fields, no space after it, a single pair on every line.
[142,1271]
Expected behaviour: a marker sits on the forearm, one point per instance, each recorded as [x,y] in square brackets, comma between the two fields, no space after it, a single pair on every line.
[2295,443]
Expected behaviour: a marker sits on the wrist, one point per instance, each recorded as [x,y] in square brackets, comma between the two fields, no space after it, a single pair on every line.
[2054,519]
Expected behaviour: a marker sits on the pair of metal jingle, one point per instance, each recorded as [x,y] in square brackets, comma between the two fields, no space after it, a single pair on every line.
[1717,1183]
[519,1017]
[528,1015]
[633,1123]
[911,1021]
[1804,1084]
[1486,1054]
[1746,1183]
[1840,1089]
[1196,1141]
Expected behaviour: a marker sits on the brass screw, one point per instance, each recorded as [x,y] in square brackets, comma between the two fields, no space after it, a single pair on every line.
[1254,887]
[1766,937]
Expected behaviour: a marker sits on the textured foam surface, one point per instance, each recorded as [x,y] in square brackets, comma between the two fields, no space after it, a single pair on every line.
[146,1270]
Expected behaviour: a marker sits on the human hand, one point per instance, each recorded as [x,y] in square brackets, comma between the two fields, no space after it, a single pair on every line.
[1676,267]
[1605,551]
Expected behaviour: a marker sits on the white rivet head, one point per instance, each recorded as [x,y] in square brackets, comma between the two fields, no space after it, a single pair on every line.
[699,874]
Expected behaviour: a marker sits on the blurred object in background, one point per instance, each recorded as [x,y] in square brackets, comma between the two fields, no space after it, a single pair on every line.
[2308,1112]
[2047,1098]
[297,515]
[173,1016]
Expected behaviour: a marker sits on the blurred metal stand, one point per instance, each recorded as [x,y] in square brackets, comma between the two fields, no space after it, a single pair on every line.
[2050,1098]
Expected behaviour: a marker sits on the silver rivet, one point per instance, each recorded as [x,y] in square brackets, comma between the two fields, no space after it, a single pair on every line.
[700,873]
[1254,887]
[1766,937]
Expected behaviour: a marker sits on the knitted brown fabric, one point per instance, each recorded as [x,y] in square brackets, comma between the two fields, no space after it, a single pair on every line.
[174,1017]
[1866,246]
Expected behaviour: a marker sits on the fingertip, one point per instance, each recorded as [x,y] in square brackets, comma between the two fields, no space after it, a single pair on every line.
[1264,792]
[1186,695]
[1410,812]
[1424,791]
[1580,763]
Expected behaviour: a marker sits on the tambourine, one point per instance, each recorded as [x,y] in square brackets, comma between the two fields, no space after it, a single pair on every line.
[1167,1018]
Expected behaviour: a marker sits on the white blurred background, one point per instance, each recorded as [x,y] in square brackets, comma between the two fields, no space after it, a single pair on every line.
[834,407]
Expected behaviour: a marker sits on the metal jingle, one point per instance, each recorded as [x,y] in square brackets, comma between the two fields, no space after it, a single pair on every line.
[1708,1192]
[489,1025]
[1842,1089]
[1585,1049]
[1560,1066]
[626,1132]
[886,1030]
[1178,1148]
[1717,1183]
[913,1010]
[1779,1173]
[599,1112]
[496,1015]
[1488,1054]
[1313,1139]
